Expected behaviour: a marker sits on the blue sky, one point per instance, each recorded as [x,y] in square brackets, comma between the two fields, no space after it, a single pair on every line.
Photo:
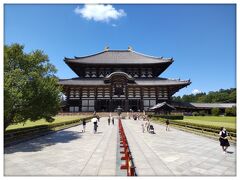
[200,38]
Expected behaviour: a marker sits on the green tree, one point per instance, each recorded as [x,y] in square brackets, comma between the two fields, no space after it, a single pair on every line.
[230,111]
[215,111]
[31,91]
[202,113]
[221,96]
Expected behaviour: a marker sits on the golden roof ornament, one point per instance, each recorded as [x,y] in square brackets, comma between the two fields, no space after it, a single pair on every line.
[130,48]
[106,48]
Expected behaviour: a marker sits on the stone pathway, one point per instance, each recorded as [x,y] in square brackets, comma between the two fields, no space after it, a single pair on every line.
[66,152]
[177,153]
[71,152]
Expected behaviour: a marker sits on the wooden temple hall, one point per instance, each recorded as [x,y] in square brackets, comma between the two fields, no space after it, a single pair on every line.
[113,78]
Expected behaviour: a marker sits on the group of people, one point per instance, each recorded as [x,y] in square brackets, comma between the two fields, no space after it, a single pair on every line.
[110,118]
[95,120]
[146,126]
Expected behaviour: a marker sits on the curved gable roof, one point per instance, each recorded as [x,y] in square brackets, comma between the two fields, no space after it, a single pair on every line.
[118,57]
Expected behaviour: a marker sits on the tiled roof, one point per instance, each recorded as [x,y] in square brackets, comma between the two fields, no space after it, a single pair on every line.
[203,105]
[213,105]
[118,57]
[160,105]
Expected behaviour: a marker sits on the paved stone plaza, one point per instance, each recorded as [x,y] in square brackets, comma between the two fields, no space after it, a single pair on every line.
[71,152]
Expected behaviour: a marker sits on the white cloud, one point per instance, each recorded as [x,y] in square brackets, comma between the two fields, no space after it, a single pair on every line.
[196,91]
[99,12]
[114,25]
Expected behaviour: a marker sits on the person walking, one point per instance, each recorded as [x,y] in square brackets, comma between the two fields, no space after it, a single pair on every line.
[95,126]
[143,126]
[112,120]
[167,125]
[98,117]
[109,119]
[224,139]
[84,125]
[147,125]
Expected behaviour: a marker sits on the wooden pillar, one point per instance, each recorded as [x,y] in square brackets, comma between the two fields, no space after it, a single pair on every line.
[141,99]
[110,100]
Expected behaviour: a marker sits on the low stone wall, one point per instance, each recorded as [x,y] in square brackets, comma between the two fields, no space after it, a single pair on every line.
[23,134]
[208,130]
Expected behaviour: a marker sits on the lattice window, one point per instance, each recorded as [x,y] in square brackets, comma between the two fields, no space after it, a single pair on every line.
[145,93]
[152,92]
[77,93]
[85,92]
[91,93]
[106,92]
[72,93]
[100,92]
[130,92]
[137,92]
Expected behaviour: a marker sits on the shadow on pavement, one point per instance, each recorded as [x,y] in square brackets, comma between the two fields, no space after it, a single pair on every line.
[37,144]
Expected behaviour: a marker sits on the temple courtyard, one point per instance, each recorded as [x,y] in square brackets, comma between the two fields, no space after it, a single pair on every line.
[74,153]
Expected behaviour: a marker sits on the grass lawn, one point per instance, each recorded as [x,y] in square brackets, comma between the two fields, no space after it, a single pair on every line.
[228,122]
[58,119]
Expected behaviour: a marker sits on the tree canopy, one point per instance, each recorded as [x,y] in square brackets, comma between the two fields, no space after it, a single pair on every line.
[221,96]
[31,91]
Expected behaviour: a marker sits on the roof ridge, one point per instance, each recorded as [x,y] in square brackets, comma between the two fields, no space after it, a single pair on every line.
[150,55]
[79,57]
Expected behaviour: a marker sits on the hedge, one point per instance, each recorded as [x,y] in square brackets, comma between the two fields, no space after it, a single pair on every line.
[209,128]
[22,134]
[170,117]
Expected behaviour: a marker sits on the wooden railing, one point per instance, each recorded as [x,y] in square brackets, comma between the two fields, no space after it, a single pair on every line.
[127,156]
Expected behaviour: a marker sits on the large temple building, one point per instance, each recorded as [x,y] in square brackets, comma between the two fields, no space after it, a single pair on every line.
[113,78]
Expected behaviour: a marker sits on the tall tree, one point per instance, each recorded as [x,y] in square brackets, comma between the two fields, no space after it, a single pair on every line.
[31,91]
[221,96]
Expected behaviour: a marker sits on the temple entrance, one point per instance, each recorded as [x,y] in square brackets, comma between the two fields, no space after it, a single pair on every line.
[118,102]
[134,104]
[102,105]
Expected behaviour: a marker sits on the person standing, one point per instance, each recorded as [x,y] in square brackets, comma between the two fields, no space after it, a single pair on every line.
[224,139]
[84,125]
[167,125]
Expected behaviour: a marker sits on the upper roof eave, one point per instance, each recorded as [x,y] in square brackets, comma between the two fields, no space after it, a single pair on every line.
[118,57]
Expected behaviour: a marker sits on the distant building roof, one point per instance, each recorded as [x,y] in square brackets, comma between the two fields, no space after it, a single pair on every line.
[118,57]
[162,105]
[213,105]
[203,105]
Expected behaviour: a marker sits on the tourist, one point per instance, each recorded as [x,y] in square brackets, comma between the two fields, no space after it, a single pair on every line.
[143,127]
[98,117]
[128,115]
[167,125]
[147,124]
[151,129]
[138,116]
[224,139]
[112,120]
[95,126]
[84,125]
[94,121]
[109,119]
[134,116]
